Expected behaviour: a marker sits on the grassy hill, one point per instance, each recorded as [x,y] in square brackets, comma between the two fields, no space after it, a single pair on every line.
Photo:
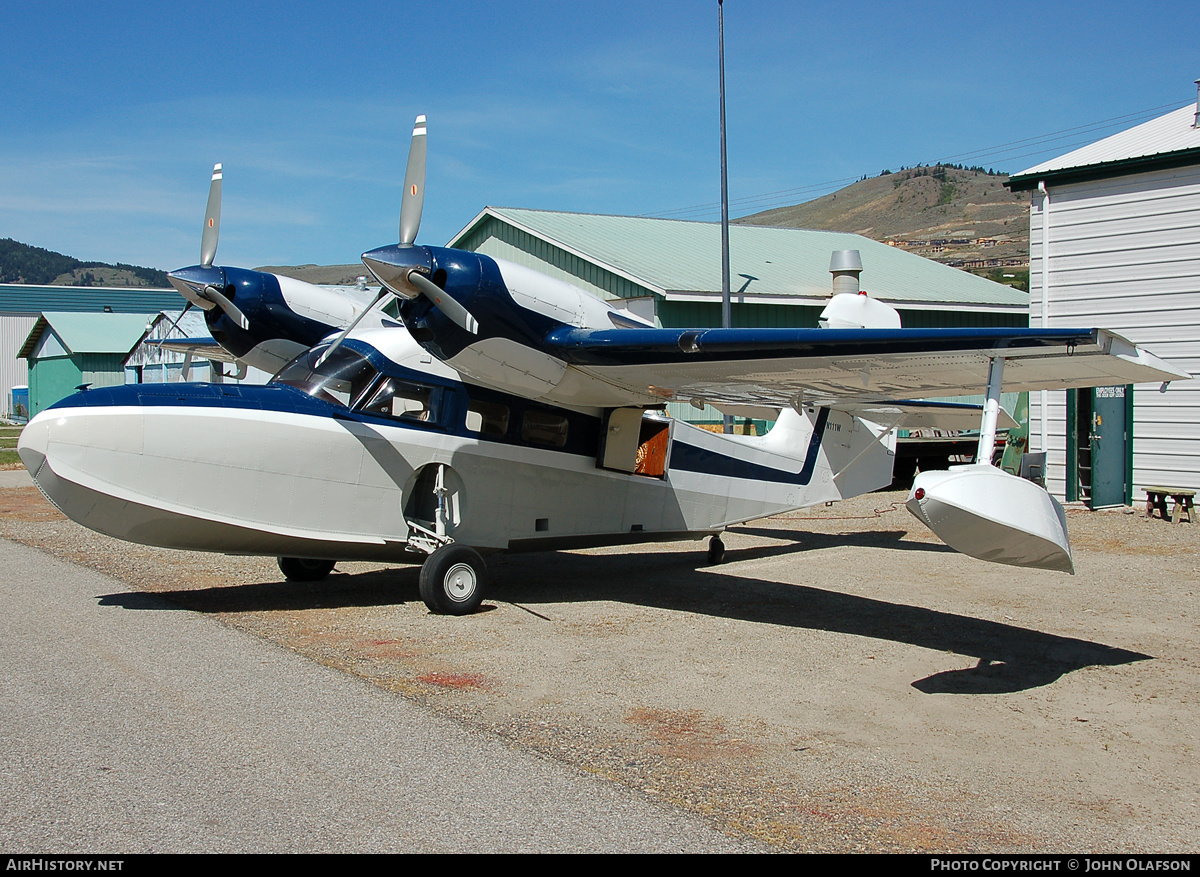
[21,263]
[957,216]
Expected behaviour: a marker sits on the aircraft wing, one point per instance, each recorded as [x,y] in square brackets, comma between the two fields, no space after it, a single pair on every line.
[778,367]
[199,348]
[911,414]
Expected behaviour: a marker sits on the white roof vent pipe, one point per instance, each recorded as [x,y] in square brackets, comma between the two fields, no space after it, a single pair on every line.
[850,307]
[845,266]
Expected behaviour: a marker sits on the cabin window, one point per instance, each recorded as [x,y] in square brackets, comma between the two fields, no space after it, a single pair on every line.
[544,428]
[403,400]
[487,418]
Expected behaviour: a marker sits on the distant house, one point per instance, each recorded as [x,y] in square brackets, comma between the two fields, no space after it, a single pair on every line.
[1115,243]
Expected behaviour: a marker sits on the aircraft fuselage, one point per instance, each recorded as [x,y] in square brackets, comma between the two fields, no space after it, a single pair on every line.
[344,468]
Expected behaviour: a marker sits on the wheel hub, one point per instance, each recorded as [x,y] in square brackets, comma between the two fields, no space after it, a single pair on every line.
[460,582]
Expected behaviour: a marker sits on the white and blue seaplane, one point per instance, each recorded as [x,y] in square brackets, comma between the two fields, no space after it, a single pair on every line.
[480,406]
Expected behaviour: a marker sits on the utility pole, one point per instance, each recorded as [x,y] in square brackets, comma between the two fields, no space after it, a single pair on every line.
[726,304]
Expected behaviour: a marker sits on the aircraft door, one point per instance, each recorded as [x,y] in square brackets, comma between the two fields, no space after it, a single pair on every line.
[636,441]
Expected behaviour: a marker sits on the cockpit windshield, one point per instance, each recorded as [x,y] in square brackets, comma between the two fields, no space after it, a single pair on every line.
[346,378]
[342,379]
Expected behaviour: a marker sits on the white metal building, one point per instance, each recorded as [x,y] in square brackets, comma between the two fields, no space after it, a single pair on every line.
[1115,243]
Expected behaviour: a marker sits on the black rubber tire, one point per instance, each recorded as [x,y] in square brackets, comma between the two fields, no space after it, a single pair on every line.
[716,550]
[304,569]
[453,579]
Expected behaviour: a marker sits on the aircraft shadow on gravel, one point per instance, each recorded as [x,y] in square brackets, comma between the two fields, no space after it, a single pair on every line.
[1010,658]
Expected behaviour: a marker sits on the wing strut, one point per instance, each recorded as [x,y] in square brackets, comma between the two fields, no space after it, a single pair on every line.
[991,411]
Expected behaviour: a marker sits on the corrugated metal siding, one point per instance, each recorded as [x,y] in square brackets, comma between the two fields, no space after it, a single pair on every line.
[1125,255]
[502,241]
[702,314]
[911,318]
[14,372]
[756,316]
[17,298]
[102,369]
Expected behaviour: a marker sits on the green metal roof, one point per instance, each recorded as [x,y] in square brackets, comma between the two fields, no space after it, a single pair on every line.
[675,257]
[89,333]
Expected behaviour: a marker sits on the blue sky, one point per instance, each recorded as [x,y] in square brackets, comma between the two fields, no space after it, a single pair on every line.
[114,113]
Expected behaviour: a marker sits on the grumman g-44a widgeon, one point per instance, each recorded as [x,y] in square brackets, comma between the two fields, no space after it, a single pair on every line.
[486,407]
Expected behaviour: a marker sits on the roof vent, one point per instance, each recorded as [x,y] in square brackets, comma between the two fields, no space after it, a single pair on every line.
[845,266]
[1196,124]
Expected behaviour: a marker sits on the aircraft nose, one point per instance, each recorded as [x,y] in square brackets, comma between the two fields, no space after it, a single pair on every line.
[31,447]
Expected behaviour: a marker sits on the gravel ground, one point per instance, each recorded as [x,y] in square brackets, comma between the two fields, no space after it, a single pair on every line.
[842,682]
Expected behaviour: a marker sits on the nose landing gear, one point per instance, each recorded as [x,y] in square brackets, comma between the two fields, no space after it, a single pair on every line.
[453,579]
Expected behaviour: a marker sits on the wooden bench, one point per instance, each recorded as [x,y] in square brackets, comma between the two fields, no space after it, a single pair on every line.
[1156,499]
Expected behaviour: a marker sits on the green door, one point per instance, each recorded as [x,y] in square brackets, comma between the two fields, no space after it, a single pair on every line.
[1109,437]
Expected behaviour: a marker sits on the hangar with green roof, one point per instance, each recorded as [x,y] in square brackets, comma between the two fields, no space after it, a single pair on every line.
[670,270]
[21,304]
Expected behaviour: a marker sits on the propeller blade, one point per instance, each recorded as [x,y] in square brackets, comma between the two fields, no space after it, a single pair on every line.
[414,186]
[231,310]
[212,220]
[446,303]
[340,338]
[174,325]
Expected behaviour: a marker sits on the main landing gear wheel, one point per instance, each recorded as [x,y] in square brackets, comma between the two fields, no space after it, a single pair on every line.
[452,580]
[303,569]
[716,550]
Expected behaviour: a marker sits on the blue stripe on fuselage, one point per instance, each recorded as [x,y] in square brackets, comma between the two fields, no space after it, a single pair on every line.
[690,458]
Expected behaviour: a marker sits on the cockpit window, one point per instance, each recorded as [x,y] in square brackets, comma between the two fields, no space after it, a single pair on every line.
[346,378]
[391,397]
[342,379]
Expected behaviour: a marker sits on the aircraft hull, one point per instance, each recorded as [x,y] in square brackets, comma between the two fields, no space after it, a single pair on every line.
[269,471]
